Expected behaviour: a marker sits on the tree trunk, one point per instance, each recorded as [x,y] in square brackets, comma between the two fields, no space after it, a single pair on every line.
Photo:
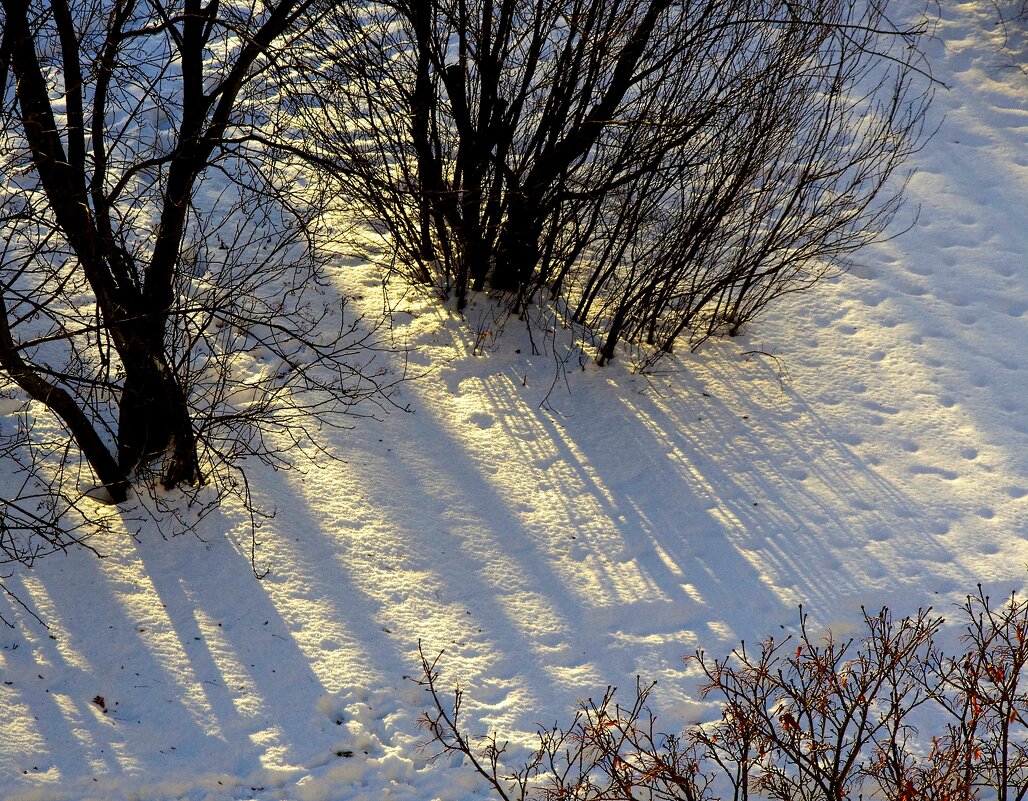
[518,248]
[154,418]
[134,303]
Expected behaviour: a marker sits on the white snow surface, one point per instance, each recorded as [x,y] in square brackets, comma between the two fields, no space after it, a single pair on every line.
[863,444]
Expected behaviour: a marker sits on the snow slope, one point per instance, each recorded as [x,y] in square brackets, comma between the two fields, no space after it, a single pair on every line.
[866,444]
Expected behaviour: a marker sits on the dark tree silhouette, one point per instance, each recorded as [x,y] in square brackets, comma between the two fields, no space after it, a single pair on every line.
[159,280]
[663,169]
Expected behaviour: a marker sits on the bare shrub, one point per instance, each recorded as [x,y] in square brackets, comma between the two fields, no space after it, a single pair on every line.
[663,170]
[983,691]
[885,715]
[606,752]
[814,719]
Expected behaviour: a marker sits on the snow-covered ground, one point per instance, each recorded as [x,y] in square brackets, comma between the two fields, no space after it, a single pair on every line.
[864,444]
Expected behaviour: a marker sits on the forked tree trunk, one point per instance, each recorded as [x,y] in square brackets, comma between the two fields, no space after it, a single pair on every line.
[518,248]
[154,419]
[154,414]
[135,302]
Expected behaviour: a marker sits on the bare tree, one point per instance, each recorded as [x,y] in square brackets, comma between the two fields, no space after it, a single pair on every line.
[663,169]
[160,285]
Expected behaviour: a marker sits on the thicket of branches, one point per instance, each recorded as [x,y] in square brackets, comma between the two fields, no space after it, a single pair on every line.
[662,169]
[161,286]
[887,715]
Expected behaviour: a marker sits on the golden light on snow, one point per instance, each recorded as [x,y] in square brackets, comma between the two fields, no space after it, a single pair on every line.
[156,635]
[20,730]
[863,444]
[64,648]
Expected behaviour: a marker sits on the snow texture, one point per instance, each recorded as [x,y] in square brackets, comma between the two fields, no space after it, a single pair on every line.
[864,444]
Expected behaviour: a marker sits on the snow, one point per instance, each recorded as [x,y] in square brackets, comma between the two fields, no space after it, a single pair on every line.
[864,444]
